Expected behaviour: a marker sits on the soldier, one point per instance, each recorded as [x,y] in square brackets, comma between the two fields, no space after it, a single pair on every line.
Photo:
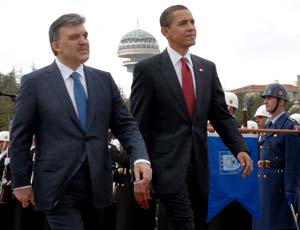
[252,124]
[232,102]
[4,140]
[226,219]
[125,213]
[129,215]
[261,116]
[6,201]
[279,164]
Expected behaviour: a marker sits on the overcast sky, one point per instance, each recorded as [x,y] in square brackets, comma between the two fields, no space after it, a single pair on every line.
[251,41]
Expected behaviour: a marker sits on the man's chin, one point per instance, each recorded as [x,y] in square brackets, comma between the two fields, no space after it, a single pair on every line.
[84,58]
[191,44]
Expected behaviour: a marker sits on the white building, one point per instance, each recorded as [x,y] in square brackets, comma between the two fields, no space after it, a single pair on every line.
[136,46]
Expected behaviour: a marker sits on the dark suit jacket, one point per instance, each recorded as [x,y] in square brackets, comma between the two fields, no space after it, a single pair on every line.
[158,104]
[44,108]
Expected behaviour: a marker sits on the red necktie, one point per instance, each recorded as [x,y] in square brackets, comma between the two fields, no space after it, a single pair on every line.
[188,86]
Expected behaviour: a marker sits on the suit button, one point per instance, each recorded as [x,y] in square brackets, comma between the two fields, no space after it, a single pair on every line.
[265,176]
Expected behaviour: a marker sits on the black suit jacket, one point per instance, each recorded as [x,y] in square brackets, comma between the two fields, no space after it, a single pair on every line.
[44,109]
[158,104]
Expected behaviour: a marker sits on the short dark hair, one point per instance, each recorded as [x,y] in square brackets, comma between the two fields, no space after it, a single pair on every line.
[66,19]
[166,17]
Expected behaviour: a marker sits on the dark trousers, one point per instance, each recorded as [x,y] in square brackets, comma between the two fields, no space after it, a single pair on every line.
[75,210]
[109,218]
[27,218]
[234,217]
[187,208]
[130,216]
[7,214]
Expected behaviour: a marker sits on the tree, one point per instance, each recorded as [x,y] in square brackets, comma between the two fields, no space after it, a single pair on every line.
[125,99]
[8,85]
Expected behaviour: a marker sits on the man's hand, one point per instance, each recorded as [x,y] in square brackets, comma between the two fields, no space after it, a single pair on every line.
[143,176]
[25,196]
[245,161]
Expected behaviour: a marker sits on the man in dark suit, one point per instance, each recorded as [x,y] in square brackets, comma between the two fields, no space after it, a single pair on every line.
[172,101]
[69,107]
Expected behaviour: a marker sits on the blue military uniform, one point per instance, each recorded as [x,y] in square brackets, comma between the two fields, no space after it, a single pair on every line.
[279,172]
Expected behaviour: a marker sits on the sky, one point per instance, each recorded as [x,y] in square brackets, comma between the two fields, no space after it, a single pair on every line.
[250,41]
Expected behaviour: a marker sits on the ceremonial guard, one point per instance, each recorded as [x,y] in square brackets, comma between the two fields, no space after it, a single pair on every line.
[6,201]
[279,165]
[232,102]
[129,215]
[261,115]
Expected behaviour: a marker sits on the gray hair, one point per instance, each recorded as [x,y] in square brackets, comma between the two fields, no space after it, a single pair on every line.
[166,17]
[66,19]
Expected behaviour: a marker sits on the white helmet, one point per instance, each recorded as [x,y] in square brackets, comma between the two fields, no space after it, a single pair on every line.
[261,111]
[296,116]
[231,100]
[4,136]
[252,125]
[116,143]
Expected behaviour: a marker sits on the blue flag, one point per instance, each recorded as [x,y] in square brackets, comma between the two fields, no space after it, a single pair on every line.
[226,182]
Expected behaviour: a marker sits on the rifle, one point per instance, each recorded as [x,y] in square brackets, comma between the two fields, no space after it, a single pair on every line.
[245,111]
[294,215]
[5,188]
[275,131]
[12,96]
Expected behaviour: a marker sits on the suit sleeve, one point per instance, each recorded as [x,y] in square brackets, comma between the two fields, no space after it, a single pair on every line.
[222,121]
[22,129]
[125,128]
[141,100]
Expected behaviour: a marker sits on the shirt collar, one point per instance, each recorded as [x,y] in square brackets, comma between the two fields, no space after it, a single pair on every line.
[176,57]
[273,120]
[66,71]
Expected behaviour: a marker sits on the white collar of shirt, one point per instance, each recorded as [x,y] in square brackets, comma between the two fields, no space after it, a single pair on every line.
[176,61]
[176,57]
[69,83]
[273,120]
[66,71]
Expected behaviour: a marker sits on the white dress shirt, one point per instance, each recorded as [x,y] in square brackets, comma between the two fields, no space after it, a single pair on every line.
[176,61]
[69,82]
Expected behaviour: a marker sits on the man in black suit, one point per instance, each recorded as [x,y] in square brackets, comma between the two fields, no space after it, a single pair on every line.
[69,107]
[172,99]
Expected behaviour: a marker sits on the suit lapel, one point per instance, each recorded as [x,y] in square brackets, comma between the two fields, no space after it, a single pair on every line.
[199,74]
[92,94]
[170,76]
[57,84]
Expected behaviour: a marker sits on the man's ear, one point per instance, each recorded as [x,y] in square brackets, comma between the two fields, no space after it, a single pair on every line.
[165,31]
[55,46]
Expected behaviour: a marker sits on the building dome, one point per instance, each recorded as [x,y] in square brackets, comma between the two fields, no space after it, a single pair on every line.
[138,43]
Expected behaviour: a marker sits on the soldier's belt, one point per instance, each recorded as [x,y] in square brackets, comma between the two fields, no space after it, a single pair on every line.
[267,164]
